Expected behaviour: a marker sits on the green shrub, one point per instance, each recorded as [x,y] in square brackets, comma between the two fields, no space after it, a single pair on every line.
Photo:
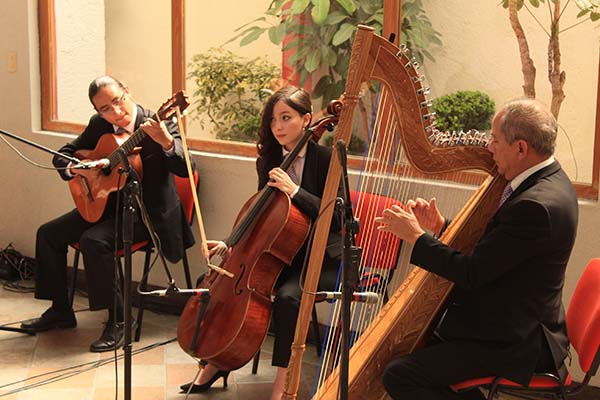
[464,110]
[230,91]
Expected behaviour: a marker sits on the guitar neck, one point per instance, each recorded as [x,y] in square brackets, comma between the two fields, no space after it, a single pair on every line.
[127,146]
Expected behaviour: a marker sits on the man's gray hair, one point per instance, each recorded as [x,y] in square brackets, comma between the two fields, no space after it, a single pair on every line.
[529,120]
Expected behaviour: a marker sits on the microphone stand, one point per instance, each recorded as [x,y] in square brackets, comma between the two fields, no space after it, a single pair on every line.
[39,146]
[351,255]
[130,191]
[56,153]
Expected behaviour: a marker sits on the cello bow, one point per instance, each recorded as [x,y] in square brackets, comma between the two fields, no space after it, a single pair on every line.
[194,188]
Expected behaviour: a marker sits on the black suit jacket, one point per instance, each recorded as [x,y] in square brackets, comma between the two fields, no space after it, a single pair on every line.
[158,189]
[508,293]
[308,198]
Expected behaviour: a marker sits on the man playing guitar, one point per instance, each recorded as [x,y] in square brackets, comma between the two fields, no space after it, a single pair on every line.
[161,154]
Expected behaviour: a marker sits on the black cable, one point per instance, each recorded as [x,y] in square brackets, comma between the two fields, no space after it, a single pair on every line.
[18,152]
[78,369]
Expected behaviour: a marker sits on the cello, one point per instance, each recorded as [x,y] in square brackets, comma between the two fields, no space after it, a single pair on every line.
[227,327]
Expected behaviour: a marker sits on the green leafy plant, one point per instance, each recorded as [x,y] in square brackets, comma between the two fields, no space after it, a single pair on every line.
[464,110]
[323,30]
[230,92]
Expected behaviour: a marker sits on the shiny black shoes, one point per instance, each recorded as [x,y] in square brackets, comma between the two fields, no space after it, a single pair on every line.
[205,386]
[51,319]
[111,338]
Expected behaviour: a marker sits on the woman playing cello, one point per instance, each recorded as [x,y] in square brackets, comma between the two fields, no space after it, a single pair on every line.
[286,115]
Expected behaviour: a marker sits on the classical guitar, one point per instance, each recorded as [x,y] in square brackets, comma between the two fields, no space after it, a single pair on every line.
[90,188]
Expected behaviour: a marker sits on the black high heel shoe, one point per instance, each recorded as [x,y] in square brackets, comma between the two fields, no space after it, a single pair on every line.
[205,386]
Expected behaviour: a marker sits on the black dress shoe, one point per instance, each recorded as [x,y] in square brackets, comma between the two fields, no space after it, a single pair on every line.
[111,338]
[51,319]
[205,386]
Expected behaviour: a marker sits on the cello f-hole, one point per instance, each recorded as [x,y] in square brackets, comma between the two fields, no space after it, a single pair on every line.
[237,291]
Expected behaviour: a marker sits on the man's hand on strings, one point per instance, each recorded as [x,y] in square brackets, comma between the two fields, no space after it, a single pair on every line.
[400,221]
[282,181]
[158,132]
[427,214]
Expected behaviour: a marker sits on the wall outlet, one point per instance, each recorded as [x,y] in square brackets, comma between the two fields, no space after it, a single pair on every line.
[11,61]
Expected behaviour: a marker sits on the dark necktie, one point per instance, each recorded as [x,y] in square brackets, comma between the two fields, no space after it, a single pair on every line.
[291,171]
[505,194]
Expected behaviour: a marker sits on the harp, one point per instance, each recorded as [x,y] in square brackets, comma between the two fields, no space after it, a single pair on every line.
[408,149]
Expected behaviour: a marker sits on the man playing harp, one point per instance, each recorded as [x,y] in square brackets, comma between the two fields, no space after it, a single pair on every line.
[504,316]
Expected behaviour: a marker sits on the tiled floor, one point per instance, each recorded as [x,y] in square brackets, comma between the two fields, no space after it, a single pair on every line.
[29,363]
[33,367]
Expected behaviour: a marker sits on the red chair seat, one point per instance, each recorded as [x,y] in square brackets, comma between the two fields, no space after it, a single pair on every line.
[536,382]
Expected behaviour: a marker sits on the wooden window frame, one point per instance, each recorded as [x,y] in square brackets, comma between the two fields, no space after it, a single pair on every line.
[50,121]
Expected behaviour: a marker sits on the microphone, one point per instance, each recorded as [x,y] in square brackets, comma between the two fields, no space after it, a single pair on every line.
[101,163]
[173,290]
[359,297]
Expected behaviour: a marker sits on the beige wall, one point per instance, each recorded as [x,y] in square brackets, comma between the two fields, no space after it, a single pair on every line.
[30,196]
[80,55]
[480,53]
[115,38]
[144,61]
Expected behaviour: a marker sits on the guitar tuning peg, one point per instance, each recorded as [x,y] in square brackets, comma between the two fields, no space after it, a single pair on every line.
[426,104]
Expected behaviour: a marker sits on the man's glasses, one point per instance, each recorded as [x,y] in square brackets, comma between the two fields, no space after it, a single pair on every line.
[114,104]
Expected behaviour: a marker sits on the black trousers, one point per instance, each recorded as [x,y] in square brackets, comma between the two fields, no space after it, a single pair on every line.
[96,242]
[427,373]
[287,305]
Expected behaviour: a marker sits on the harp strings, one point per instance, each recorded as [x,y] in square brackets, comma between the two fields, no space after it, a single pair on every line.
[379,187]
[386,178]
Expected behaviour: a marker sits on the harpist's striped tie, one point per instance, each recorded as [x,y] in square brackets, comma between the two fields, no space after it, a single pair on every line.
[508,190]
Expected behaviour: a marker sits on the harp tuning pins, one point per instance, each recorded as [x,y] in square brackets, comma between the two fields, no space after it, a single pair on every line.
[415,63]
[423,91]
[412,64]
[431,128]
[402,51]
[429,116]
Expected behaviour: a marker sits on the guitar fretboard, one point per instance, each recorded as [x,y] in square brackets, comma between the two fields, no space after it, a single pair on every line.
[127,146]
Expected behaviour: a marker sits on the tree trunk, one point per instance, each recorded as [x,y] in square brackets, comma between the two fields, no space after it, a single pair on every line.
[555,75]
[527,66]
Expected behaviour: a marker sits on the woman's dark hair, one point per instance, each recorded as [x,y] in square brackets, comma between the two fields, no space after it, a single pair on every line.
[268,147]
[100,82]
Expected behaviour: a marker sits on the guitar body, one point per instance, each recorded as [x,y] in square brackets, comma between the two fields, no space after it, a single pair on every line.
[90,188]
